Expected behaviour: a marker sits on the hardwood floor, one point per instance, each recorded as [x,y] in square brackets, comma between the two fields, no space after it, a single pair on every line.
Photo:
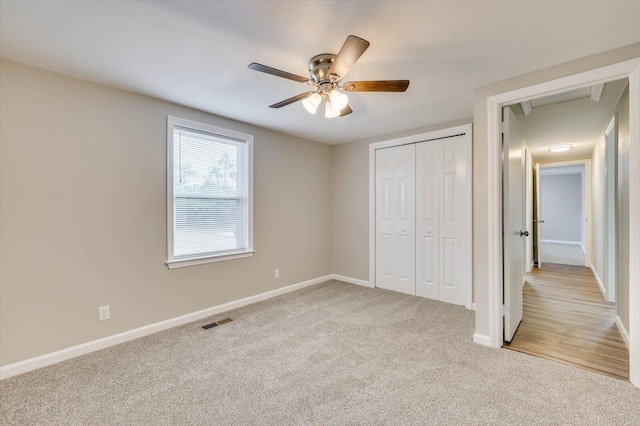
[566,319]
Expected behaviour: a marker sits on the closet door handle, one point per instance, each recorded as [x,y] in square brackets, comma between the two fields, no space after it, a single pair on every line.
[524,233]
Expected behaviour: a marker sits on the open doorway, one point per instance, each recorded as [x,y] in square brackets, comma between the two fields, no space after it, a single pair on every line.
[563,191]
[569,313]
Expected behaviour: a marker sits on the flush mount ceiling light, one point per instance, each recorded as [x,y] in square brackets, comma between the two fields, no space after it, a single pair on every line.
[560,148]
[326,71]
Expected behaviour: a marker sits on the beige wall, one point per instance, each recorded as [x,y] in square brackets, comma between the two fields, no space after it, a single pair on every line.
[622,222]
[480,152]
[350,201]
[83,214]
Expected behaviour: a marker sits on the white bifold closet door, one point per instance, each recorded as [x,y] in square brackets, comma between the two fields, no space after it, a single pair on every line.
[395,219]
[422,219]
[441,221]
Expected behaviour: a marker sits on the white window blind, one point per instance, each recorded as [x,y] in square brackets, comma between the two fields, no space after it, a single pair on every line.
[210,192]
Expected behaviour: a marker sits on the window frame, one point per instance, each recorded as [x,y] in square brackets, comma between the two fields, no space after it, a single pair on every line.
[183,261]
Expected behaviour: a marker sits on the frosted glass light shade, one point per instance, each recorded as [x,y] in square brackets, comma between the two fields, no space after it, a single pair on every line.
[329,111]
[338,100]
[312,103]
[560,148]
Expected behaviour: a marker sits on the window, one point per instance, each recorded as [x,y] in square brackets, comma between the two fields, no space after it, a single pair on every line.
[209,193]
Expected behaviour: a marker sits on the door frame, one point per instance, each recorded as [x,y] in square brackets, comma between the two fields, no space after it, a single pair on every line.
[627,69]
[466,131]
[586,187]
[611,221]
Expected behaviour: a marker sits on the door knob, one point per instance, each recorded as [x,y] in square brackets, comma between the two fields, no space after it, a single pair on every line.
[524,233]
[538,221]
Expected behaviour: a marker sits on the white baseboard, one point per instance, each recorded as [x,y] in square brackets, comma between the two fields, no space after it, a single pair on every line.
[584,250]
[623,331]
[84,348]
[575,243]
[481,339]
[350,280]
[599,281]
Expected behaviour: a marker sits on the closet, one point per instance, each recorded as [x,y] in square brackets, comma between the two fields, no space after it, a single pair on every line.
[423,218]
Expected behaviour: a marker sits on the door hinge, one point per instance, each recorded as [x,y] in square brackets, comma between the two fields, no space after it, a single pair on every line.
[502,127]
[504,310]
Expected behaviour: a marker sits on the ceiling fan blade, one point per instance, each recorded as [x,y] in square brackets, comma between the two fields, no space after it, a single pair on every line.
[292,100]
[346,111]
[278,73]
[350,51]
[377,86]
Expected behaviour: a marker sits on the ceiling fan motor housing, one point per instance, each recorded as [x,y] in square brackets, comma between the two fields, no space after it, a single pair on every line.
[319,67]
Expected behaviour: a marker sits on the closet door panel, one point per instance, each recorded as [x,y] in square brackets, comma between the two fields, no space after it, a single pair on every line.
[428,161]
[395,218]
[441,214]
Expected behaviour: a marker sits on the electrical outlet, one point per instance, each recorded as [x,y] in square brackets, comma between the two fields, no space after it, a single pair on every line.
[276,273]
[103,313]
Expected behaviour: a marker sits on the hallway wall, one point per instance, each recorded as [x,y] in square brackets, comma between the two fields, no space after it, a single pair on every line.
[562,205]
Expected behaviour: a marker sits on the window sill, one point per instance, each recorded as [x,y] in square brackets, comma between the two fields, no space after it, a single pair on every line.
[192,261]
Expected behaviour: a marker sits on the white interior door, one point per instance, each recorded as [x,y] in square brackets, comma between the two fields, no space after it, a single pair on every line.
[513,222]
[442,220]
[395,219]
[538,218]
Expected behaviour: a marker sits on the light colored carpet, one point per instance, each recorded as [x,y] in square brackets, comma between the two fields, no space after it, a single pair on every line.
[330,354]
[564,254]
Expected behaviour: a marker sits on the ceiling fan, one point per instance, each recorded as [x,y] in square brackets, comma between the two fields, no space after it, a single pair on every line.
[327,71]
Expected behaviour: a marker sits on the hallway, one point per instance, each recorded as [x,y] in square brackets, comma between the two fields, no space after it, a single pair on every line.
[566,319]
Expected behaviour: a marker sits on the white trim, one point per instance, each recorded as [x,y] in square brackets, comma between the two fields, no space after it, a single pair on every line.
[623,331]
[84,348]
[573,243]
[610,126]
[467,130]
[181,263]
[599,281]
[481,339]
[351,280]
[634,225]
[627,69]
[494,224]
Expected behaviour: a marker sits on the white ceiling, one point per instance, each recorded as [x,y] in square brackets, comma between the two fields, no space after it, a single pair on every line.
[568,119]
[196,53]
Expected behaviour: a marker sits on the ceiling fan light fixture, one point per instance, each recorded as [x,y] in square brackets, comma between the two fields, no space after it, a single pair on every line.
[560,148]
[327,71]
[329,111]
[338,100]
[312,103]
